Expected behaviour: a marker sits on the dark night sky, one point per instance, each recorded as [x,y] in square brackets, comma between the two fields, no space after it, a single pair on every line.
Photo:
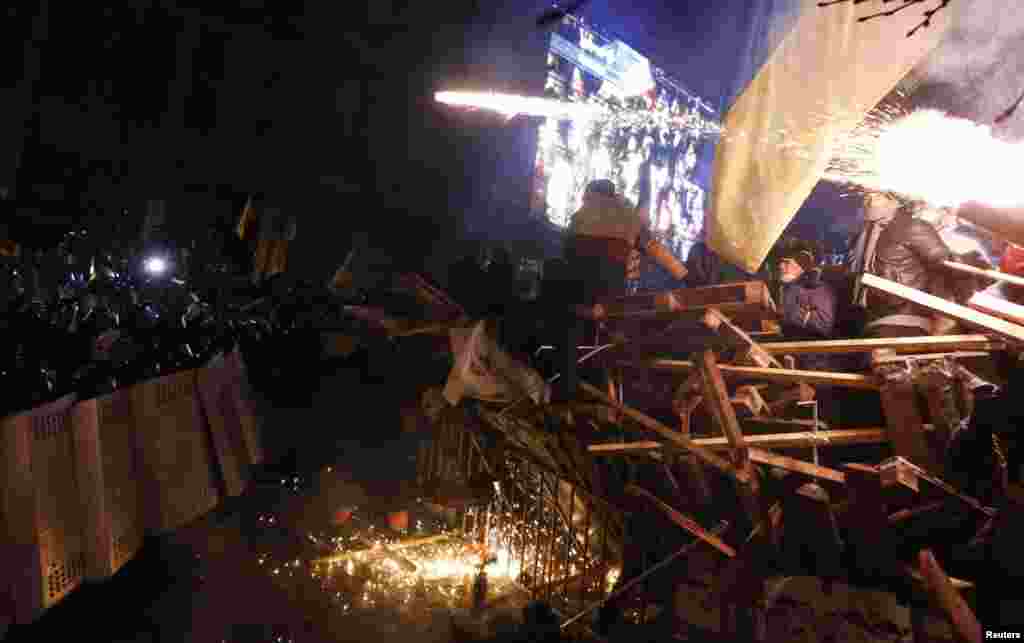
[324,108]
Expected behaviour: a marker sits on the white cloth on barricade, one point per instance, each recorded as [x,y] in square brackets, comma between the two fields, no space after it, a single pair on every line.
[484,371]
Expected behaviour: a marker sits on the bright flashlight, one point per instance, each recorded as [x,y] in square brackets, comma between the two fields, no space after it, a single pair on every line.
[155,266]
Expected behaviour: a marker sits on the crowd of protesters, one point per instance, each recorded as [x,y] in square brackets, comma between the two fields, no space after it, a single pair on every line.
[907,243]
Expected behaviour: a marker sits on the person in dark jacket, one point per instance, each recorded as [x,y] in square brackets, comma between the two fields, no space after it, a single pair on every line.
[911,252]
[807,305]
[806,302]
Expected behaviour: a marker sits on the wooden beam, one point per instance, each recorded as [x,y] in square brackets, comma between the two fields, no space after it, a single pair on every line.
[913,512]
[883,357]
[784,375]
[991,305]
[994,275]
[897,344]
[948,599]
[958,584]
[685,522]
[797,440]
[668,434]
[1007,330]
[716,321]
[752,298]
[717,397]
[903,420]
[761,456]
[686,402]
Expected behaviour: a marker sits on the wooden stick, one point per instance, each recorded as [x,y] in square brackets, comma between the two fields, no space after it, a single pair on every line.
[717,397]
[797,440]
[668,434]
[685,522]
[907,514]
[958,584]
[715,320]
[965,624]
[721,408]
[785,375]
[896,344]
[904,357]
[796,466]
[983,302]
[981,272]
[1005,329]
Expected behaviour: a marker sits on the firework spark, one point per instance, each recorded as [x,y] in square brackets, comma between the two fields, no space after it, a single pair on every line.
[930,156]
[511,105]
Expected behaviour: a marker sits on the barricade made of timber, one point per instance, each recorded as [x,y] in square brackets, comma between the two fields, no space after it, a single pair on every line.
[82,482]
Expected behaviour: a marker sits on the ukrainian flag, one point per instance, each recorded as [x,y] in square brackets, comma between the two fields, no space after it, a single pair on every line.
[817,71]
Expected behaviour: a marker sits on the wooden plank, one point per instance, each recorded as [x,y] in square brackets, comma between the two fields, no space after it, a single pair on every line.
[942,591]
[717,397]
[428,294]
[903,422]
[922,357]
[1007,330]
[761,456]
[718,322]
[784,375]
[991,305]
[898,344]
[668,434]
[797,440]
[994,275]
[683,521]
[747,299]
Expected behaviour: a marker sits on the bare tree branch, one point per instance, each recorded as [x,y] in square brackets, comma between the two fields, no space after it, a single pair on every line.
[926,22]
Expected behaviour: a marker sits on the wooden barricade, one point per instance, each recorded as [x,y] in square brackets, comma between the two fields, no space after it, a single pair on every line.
[43,544]
[109,481]
[229,444]
[177,466]
[239,405]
